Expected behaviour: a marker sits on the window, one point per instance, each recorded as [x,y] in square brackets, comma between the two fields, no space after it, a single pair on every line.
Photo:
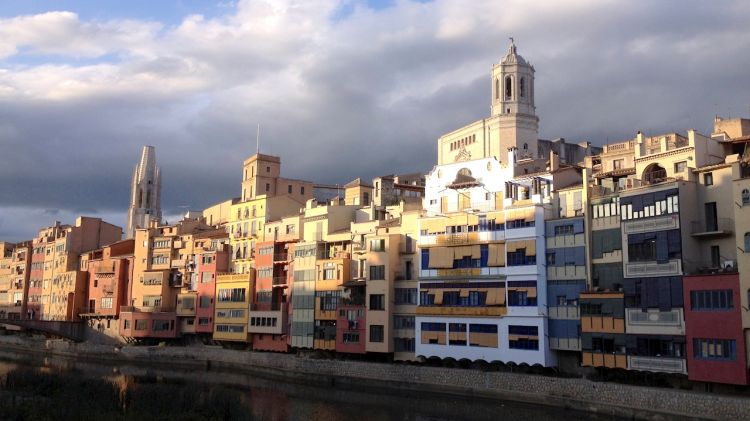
[302,190]
[268,169]
[523,337]
[351,338]
[508,87]
[126,324]
[268,186]
[141,324]
[289,189]
[377,273]
[520,298]
[618,164]
[711,300]
[232,295]
[205,301]
[151,300]
[405,295]
[708,179]
[329,300]
[564,229]
[747,242]
[376,333]
[522,87]
[329,274]
[715,349]
[161,325]
[203,321]
[107,302]
[680,166]
[377,245]
[403,322]
[230,328]
[377,302]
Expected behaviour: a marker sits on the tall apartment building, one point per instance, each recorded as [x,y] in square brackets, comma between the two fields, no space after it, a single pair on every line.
[164,293]
[109,274]
[57,286]
[15,268]
[145,193]
[664,256]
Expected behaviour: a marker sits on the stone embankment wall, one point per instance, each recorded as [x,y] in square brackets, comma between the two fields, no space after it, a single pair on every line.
[605,398]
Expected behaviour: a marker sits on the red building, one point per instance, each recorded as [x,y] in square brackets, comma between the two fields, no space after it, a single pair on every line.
[351,336]
[110,271]
[269,316]
[210,263]
[713,323]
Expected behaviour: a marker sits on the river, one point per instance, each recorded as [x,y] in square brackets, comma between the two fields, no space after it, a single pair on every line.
[68,389]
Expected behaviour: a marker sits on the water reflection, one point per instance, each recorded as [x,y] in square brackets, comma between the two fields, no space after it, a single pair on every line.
[60,388]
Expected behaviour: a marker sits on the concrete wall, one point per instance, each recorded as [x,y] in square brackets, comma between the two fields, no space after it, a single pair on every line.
[604,398]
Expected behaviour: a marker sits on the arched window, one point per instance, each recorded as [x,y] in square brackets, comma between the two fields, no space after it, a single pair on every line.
[747,242]
[508,87]
[497,88]
[526,146]
[522,88]
[745,197]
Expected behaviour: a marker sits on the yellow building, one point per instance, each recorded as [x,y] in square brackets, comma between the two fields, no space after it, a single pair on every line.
[233,298]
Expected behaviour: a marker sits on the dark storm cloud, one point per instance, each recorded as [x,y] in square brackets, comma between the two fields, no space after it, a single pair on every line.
[337,98]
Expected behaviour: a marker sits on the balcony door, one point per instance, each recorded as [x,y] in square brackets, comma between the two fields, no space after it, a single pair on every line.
[711,222]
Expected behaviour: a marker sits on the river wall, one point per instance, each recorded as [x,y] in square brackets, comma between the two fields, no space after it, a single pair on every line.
[579,394]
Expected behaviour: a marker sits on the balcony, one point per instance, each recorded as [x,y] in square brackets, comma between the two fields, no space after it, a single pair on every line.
[280,257]
[461,311]
[178,263]
[601,359]
[658,364]
[359,247]
[719,228]
[279,280]
[457,238]
[559,273]
[154,309]
[654,322]
[639,269]
[565,344]
[564,312]
[659,223]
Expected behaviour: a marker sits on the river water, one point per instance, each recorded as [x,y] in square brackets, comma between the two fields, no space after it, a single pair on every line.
[64,389]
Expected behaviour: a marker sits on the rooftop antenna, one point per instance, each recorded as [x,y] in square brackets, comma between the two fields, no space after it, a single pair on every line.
[257,140]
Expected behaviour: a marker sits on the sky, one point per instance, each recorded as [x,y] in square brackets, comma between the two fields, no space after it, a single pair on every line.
[341,89]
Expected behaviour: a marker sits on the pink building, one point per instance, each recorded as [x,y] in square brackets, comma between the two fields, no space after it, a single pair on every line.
[209,264]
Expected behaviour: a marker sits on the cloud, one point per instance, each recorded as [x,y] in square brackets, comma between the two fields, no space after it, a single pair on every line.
[341,90]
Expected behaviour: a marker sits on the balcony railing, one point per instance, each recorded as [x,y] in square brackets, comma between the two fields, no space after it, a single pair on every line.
[280,257]
[279,280]
[658,364]
[144,309]
[268,307]
[720,227]
[637,269]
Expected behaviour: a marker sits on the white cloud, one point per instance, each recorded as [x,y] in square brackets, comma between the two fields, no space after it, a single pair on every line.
[80,96]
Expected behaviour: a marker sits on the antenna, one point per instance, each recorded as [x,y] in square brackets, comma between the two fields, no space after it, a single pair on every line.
[257,140]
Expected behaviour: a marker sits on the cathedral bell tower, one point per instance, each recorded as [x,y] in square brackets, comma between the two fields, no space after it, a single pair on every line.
[513,103]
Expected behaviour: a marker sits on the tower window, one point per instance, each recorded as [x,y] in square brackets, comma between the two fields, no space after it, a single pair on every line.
[268,169]
[508,87]
[268,186]
[289,189]
[522,88]
[302,190]
[497,88]
[525,146]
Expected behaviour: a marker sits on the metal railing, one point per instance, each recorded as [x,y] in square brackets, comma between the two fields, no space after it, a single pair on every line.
[721,225]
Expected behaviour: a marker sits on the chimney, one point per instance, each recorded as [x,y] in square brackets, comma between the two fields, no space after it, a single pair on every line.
[554,161]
